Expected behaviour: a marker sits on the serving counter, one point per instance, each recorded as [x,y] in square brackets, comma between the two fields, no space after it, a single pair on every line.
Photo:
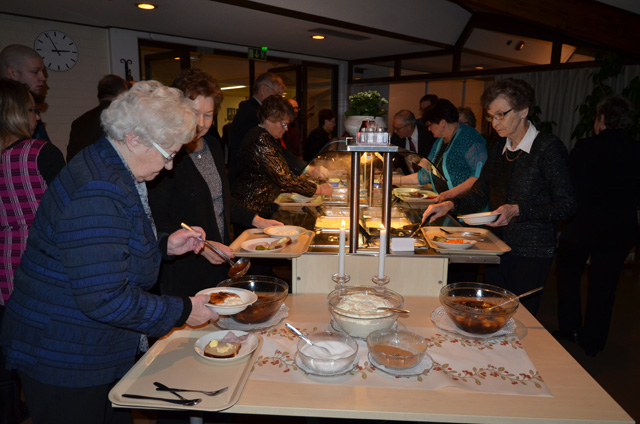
[564,393]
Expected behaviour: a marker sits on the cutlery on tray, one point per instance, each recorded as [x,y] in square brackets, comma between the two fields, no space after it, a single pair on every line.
[162,388]
[185,402]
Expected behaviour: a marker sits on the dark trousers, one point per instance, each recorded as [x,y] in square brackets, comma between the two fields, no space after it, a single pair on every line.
[604,271]
[9,389]
[62,405]
[519,274]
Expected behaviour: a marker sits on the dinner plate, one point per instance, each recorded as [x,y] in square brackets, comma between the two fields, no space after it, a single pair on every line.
[250,245]
[245,348]
[479,218]
[278,231]
[466,244]
[247,296]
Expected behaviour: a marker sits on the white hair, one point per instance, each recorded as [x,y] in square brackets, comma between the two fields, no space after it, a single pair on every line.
[152,112]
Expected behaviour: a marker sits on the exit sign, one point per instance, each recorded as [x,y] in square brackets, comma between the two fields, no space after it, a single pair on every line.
[258,53]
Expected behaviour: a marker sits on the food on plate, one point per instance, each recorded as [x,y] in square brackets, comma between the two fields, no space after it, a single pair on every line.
[415,194]
[440,239]
[219,349]
[225,299]
[278,244]
[450,240]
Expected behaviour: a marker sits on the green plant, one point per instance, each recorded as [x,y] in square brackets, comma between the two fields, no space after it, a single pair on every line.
[366,103]
[611,66]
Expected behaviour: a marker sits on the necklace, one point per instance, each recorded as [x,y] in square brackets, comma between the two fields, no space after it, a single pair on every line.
[506,155]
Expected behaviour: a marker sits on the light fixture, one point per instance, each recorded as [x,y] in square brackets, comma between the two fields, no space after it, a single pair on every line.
[233,87]
[479,67]
[519,46]
[146,6]
[318,37]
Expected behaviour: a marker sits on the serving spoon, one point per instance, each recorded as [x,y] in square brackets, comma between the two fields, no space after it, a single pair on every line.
[517,297]
[238,268]
[298,333]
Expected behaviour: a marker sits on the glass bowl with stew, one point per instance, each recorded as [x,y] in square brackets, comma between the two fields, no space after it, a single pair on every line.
[468,305]
[271,292]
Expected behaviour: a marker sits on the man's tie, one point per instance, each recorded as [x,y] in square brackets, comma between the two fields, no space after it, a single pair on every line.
[412,146]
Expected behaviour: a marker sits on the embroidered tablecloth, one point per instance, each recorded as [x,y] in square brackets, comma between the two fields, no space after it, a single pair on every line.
[497,365]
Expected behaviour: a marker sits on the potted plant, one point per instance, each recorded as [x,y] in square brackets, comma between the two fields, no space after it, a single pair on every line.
[366,105]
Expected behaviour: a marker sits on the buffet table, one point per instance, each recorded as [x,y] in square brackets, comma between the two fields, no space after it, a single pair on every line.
[556,389]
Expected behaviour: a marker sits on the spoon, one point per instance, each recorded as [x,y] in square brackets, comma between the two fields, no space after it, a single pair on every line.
[517,297]
[186,402]
[402,311]
[163,388]
[298,333]
[238,268]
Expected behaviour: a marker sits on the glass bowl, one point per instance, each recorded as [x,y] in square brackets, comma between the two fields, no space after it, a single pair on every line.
[271,294]
[354,309]
[343,348]
[466,304]
[397,349]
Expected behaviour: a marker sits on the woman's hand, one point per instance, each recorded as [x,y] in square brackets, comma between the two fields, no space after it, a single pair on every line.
[445,195]
[213,257]
[325,189]
[183,241]
[260,222]
[200,314]
[318,172]
[507,213]
[436,210]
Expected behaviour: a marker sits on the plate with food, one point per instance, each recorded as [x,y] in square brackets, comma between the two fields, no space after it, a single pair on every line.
[409,194]
[453,243]
[229,300]
[226,345]
[279,231]
[266,244]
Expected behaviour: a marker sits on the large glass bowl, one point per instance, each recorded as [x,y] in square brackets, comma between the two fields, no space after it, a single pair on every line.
[396,348]
[467,305]
[354,309]
[343,350]
[271,293]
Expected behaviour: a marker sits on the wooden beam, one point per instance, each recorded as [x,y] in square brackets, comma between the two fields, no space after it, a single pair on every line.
[586,20]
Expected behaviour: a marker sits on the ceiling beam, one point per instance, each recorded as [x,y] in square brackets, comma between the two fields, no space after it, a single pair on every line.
[587,20]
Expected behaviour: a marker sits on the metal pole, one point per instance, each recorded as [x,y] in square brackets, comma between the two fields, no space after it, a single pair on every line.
[386,196]
[354,202]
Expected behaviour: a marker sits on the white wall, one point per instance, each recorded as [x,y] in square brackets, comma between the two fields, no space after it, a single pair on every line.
[73,92]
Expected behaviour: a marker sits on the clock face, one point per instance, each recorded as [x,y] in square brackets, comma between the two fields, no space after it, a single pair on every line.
[57,49]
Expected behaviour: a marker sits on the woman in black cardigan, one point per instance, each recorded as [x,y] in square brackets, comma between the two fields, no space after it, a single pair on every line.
[197,192]
[525,180]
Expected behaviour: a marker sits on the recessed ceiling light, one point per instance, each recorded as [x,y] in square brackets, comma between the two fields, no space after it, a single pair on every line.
[146,6]
[519,46]
[318,37]
[479,67]
[233,87]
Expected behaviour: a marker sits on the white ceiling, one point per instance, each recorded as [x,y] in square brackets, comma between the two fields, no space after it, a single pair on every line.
[391,27]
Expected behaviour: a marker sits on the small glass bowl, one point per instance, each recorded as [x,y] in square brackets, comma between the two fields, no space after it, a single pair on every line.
[312,358]
[271,294]
[467,303]
[361,323]
[397,349]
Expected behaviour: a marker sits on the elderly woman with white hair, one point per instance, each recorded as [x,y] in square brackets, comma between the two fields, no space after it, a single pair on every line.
[73,324]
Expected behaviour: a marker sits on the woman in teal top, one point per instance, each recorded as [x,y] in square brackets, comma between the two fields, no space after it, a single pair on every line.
[458,153]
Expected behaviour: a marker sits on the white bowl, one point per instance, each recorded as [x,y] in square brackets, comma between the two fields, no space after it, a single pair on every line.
[479,218]
[247,296]
[291,231]
[343,347]
[466,244]
[246,347]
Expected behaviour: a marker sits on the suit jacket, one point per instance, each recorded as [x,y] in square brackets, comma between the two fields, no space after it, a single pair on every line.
[86,130]
[182,195]
[425,143]
[245,119]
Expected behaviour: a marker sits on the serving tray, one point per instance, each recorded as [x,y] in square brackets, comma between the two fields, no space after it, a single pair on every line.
[294,250]
[488,243]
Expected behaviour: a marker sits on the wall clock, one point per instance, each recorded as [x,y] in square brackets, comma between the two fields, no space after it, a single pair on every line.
[57,49]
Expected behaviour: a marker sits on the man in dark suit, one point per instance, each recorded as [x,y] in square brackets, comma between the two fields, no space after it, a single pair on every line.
[408,135]
[87,129]
[266,85]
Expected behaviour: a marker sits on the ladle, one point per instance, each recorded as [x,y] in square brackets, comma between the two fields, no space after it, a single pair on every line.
[238,268]
[298,333]
[517,297]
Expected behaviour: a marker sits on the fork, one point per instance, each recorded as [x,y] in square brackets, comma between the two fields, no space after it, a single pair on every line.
[161,387]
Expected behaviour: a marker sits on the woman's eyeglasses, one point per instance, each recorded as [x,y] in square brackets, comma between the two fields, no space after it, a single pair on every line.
[498,116]
[167,157]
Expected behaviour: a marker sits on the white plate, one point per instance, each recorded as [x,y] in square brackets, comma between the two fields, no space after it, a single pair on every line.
[467,244]
[479,218]
[250,245]
[291,231]
[245,348]
[299,198]
[247,296]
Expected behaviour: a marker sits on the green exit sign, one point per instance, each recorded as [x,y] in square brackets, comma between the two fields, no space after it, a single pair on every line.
[258,53]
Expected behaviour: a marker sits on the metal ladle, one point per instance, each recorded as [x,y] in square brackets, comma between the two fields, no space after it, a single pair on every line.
[238,268]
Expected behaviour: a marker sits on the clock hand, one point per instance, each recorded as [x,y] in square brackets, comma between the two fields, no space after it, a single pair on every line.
[55,48]
[60,51]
